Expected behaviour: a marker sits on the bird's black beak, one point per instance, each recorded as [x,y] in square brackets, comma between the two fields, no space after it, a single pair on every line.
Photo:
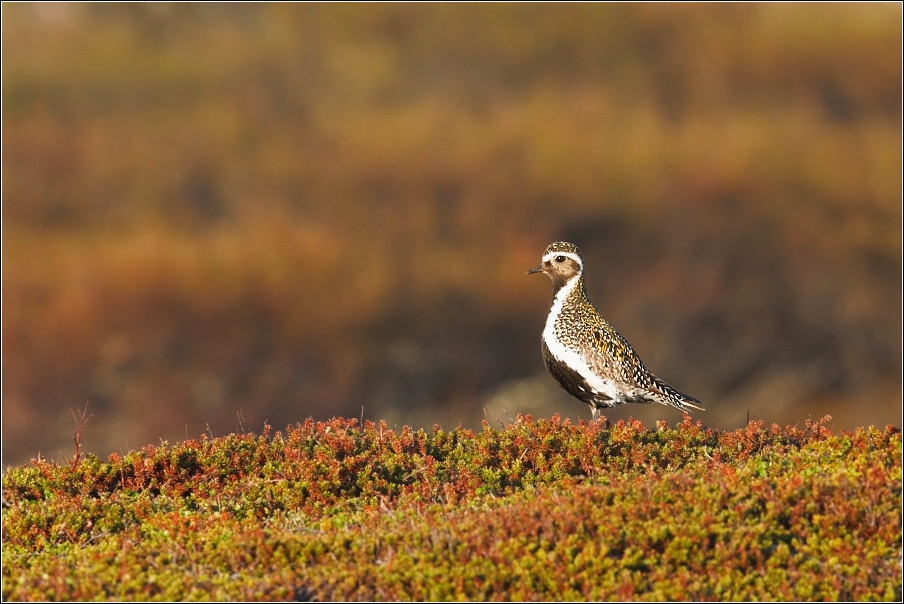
[536,269]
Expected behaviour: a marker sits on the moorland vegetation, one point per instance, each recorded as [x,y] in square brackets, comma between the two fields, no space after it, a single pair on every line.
[532,510]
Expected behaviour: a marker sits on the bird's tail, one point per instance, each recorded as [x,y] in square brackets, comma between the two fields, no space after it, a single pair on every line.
[675,398]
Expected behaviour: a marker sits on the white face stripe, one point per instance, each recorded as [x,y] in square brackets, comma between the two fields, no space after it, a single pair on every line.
[571,358]
[552,255]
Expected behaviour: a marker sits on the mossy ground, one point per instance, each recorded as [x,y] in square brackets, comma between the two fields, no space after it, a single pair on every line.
[535,510]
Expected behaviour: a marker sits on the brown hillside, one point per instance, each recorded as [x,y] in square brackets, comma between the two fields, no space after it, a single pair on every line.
[300,210]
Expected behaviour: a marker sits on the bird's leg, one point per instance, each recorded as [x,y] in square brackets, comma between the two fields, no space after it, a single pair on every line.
[595,412]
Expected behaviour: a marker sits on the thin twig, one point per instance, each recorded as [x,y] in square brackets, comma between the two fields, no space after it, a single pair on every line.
[80,420]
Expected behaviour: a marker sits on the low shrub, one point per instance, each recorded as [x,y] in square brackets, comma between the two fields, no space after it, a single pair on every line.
[538,509]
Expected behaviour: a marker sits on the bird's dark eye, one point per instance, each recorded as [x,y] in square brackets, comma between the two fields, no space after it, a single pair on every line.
[560,258]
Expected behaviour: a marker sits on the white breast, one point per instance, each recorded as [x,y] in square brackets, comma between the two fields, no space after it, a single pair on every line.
[571,357]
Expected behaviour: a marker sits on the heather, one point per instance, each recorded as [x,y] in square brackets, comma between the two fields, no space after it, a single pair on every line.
[325,211]
[534,509]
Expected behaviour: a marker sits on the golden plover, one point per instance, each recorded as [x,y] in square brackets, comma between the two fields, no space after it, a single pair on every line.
[588,358]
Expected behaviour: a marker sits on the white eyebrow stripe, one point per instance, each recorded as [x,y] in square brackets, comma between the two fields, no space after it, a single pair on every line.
[552,255]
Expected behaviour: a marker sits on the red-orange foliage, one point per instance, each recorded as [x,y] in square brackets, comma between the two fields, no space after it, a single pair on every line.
[538,510]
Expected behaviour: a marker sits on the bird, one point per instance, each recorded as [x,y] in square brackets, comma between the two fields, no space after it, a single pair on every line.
[585,354]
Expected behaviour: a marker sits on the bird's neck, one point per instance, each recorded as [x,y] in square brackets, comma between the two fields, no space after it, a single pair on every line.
[562,289]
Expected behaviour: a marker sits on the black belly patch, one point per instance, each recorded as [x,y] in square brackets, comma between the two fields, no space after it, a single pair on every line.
[572,382]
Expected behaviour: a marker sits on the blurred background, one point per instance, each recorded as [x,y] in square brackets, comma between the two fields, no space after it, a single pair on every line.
[306,210]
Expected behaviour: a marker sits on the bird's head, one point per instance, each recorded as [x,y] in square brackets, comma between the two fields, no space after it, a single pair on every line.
[561,261]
